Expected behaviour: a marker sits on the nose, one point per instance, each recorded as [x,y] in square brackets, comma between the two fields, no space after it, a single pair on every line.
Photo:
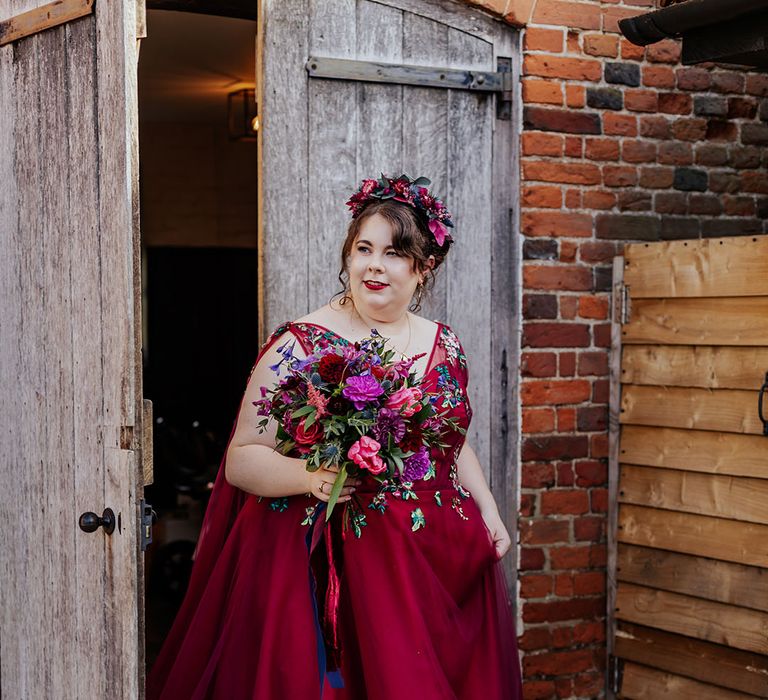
[375,264]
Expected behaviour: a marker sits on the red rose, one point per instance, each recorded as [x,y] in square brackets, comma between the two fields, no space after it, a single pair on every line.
[331,368]
[306,437]
[412,441]
[378,371]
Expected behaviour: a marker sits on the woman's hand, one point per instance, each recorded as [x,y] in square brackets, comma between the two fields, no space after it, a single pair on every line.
[321,483]
[501,538]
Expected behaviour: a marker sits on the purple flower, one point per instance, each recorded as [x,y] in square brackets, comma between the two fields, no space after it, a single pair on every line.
[388,423]
[362,390]
[417,465]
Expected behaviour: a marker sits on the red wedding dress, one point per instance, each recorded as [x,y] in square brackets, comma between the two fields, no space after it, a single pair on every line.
[415,606]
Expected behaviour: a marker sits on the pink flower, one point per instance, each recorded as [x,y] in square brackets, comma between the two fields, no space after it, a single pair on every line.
[368,186]
[365,453]
[406,401]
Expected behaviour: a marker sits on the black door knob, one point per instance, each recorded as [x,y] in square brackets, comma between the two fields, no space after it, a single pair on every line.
[90,522]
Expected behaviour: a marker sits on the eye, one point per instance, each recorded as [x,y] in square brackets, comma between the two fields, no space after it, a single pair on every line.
[362,248]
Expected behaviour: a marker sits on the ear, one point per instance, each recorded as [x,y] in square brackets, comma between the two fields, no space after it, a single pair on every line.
[429,264]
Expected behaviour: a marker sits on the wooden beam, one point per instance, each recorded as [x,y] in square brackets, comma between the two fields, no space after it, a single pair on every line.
[41,18]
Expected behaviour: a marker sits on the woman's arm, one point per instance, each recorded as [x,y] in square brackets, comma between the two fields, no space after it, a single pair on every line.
[471,476]
[252,464]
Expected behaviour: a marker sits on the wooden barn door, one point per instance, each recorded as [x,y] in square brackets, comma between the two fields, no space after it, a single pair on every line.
[327,122]
[69,358]
[688,594]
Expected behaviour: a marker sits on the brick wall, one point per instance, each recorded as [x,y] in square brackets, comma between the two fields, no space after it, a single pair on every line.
[619,143]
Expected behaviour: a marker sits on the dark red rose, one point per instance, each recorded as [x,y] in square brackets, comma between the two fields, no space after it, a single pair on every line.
[412,441]
[306,437]
[378,371]
[338,405]
[331,368]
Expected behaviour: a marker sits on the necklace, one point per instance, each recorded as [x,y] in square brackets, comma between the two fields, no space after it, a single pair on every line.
[408,319]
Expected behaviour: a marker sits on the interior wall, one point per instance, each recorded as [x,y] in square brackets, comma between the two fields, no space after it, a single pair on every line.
[198,188]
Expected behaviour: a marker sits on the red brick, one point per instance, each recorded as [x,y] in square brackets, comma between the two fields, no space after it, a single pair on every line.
[641,100]
[589,633]
[567,364]
[557,335]
[577,557]
[741,108]
[721,130]
[542,92]
[554,611]
[599,500]
[568,173]
[657,178]
[598,446]
[589,528]
[564,687]
[689,129]
[535,586]
[564,502]
[537,39]
[603,335]
[667,51]
[728,81]
[655,127]
[575,96]
[589,583]
[658,76]
[593,363]
[619,176]
[546,531]
[535,638]
[632,52]
[671,203]
[539,690]
[591,472]
[553,392]
[542,196]
[675,103]
[569,307]
[601,45]
[611,17]
[567,14]
[531,558]
[600,389]
[563,588]
[555,223]
[555,447]
[593,307]
[638,151]
[542,144]
[537,420]
[562,637]
[599,199]
[573,199]
[597,251]
[569,277]
[574,146]
[754,181]
[588,685]
[675,153]
[619,124]
[561,67]
[572,42]
[757,84]
[739,206]
[602,149]
[693,79]
[568,251]
[565,469]
[527,504]
[538,364]
[590,419]
[566,423]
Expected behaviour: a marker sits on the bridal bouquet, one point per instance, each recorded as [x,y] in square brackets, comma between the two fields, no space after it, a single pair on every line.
[355,407]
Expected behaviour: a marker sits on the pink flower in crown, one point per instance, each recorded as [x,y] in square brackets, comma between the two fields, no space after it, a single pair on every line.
[403,191]
[368,187]
[406,401]
[426,199]
[365,454]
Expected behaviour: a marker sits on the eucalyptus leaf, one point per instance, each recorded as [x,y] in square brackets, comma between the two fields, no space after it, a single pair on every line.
[341,477]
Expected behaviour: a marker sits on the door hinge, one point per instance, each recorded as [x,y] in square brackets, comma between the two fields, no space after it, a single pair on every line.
[615,674]
[622,303]
[147,516]
[504,101]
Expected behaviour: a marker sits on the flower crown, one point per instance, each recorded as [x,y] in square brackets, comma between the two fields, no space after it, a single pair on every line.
[413,192]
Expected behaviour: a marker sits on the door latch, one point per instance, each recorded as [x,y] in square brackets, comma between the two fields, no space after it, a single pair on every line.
[148,516]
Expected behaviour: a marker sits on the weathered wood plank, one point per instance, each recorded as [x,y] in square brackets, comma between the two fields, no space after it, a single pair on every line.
[724,267]
[470,144]
[694,617]
[47,16]
[332,147]
[733,497]
[695,450]
[725,410]
[724,582]
[695,366]
[717,538]
[284,207]
[87,377]
[743,671]
[452,14]
[721,321]
[644,683]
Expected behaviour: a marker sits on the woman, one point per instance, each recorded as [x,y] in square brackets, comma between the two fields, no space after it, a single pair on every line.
[281,606]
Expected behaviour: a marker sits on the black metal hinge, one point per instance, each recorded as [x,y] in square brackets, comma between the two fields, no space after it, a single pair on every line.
[615,674]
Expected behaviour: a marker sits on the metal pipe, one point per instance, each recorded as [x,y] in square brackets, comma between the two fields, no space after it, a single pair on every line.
[672,21]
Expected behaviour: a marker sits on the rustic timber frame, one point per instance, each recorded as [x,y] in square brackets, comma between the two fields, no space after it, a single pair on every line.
[302,217]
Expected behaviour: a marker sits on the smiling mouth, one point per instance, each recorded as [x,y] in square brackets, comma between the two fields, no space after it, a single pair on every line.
[371,284]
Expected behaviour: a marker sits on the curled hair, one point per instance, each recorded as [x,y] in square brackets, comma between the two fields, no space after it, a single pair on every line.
[411,238]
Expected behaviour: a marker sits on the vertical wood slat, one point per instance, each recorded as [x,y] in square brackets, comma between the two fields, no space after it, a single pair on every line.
[614,413]
[331,173]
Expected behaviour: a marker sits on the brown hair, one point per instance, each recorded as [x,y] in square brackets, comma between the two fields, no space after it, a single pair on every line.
[411,237]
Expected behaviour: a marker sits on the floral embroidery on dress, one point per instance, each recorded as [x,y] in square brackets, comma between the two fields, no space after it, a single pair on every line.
[417,519]
[449,387]
[279,504]
[452,347]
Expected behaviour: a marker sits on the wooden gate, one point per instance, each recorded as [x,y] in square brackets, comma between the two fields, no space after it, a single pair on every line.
[688,525]
[327,123]
[69,355]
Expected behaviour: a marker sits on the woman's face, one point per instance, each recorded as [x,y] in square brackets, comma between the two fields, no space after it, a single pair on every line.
[382,282]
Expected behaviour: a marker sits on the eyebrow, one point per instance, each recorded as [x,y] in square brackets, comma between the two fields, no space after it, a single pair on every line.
[371,244]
